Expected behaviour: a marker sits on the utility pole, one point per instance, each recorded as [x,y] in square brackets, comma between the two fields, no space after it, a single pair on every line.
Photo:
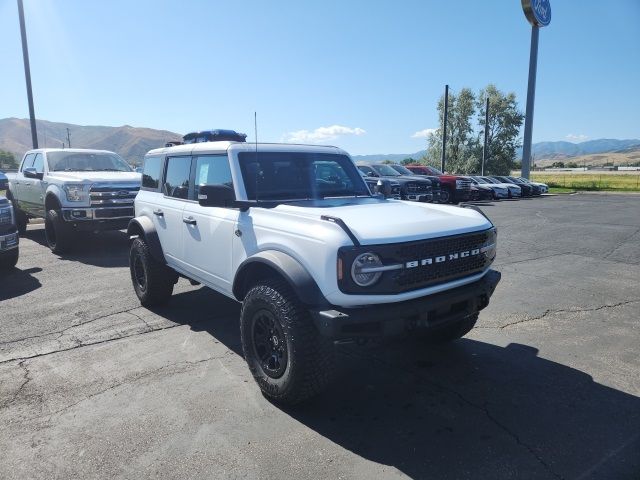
[486,135]
[538,12]
[444,128]
[68,138]
[27,74]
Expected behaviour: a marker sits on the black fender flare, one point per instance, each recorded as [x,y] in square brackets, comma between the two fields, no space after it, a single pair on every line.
[143,226]
[269,261]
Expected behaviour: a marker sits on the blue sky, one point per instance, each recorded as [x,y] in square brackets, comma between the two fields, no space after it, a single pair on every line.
[363,75]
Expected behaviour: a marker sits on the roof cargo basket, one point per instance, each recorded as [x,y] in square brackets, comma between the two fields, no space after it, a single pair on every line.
[218,135]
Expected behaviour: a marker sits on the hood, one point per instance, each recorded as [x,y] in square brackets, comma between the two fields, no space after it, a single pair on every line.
[98,177]
[375,221]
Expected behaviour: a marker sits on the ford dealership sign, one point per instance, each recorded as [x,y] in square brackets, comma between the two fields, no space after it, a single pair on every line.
[538,12]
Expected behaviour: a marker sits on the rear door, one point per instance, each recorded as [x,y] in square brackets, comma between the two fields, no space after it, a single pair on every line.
[208,231]
[168,207]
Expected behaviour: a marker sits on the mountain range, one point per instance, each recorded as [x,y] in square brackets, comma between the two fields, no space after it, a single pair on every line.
[133,142]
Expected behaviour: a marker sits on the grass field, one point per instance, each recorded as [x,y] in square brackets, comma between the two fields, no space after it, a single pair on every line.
[590,181]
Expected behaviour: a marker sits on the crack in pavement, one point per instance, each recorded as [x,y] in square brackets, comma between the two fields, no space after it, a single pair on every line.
[25,380]
[551,311]
[483,408]
[612,251]
[134,379]
[64,330]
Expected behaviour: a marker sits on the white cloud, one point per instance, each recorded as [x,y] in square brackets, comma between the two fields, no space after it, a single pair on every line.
[424,133]
[576,138]
[321,134]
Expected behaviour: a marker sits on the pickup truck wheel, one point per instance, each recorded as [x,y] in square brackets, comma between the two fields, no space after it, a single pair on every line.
[287,356]
[8,260]
[445,195]
[452,332]
[21,221]
[152,281]
[57,234]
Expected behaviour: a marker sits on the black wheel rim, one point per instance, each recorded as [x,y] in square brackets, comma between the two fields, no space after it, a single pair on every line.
[139,273]
[445,197]
[50,233]
[269,343]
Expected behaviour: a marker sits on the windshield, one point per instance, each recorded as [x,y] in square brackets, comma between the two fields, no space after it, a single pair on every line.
[490,180]
[402,169]
[480,180]
[86,162]
[385,171]
[299,175]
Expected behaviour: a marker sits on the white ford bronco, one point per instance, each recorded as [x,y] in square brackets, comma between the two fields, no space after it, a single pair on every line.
[73,190]
[294,233]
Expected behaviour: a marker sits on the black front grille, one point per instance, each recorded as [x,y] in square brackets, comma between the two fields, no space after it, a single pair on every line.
[5,216]
[417,188]
[424,263]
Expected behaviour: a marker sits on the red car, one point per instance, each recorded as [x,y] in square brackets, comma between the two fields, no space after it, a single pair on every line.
[454,188]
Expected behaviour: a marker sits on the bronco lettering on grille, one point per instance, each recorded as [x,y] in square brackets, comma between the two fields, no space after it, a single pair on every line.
[442,258]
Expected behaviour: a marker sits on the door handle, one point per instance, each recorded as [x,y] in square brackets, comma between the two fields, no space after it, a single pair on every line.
[190,221]
[158,213]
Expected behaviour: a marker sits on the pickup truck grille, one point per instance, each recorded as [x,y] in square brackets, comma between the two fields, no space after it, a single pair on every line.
[424,263]
[113,195]
[417,188]
[5,216]
[463,184]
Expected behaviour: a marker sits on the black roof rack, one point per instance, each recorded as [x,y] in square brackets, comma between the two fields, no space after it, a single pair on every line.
[218,135]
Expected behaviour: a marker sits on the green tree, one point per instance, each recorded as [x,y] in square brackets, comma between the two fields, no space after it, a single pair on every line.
[461,142]
[407,161]
[7,160]
[557,165]
[505,121]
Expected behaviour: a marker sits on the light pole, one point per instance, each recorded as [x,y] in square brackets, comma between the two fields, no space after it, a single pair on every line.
[444,128]
[538,12]
[486,135]
[27,75]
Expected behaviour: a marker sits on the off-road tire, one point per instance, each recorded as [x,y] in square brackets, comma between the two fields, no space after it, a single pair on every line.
[59,236]
[9,259]
[309,357]
[152,281]
[451,332]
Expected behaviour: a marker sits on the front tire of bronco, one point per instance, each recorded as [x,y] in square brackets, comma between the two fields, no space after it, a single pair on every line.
[57,234]
[452,332]
[287,356]
[152,281]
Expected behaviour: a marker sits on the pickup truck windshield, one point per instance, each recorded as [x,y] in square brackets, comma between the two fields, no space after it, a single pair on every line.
[386,171]
[299,175]
[86,162]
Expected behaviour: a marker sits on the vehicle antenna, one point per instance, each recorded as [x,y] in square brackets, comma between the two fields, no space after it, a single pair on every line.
[255,127]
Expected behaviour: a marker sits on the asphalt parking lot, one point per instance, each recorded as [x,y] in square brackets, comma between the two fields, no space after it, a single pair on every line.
[547,386]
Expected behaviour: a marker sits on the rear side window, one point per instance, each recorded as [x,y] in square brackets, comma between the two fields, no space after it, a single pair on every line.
[176,180]
[151,172]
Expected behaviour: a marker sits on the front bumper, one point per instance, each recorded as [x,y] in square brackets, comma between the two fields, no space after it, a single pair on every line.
[423,197]
[98,218]
[391,319]
[9,241]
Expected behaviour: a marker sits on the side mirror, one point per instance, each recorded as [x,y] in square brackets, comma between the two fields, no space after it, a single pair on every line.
[31,172]
[216,196]
[383,187]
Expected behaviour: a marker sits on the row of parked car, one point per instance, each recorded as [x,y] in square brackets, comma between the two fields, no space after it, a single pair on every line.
[423,183]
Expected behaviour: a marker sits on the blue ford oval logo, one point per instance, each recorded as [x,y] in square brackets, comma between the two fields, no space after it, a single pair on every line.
[538,12]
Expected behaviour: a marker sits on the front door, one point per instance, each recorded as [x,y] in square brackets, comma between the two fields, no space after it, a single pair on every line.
[208,231]
[32,189]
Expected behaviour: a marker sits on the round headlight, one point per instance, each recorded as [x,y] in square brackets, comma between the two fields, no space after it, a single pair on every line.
[359,268]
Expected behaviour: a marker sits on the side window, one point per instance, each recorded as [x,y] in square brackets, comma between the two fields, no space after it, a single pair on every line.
[176,180]
[38,163]
[151,172]
[211,170]
[368,171]
[28,162]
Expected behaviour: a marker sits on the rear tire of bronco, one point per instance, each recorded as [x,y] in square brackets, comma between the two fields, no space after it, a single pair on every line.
[452,332]
[57,234]
[8,260]
[288,358]
[152,281]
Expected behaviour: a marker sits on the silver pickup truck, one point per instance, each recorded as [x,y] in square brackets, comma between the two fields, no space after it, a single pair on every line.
[73,190]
